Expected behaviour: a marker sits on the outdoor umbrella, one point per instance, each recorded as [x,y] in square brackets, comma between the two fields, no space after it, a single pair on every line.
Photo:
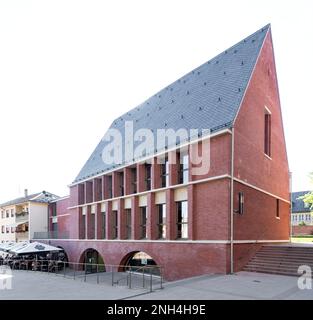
[34,247]
[17,245]
[6,246]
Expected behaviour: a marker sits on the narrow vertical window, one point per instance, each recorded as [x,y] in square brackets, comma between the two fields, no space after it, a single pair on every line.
[93,222]
[162,221]
[103,224]
[114,225]
[165,173]
[148,176]
[143,222]
[267,133]
[183,167]
[134,180]
[110,187]
[182,219]
[121,183]
[277,208]
[128,223]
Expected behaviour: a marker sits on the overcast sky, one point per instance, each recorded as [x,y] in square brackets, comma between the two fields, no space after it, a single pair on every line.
[68,68]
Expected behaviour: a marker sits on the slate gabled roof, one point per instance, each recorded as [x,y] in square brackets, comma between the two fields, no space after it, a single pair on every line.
[298,204]
[206,98]
[43,197]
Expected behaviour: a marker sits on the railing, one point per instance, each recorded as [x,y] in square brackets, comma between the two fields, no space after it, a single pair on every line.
[21,217]
[51,235]
[148,278]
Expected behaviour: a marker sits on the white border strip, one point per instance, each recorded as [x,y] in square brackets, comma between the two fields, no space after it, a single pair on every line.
[261,190]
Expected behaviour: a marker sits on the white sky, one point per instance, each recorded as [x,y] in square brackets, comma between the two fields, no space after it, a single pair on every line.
[68,68]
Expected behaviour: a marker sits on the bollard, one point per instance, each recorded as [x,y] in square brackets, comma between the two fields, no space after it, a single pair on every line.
[74,270]
[112,271]
[143,278]
[97,273]
[150,279]
[64,269]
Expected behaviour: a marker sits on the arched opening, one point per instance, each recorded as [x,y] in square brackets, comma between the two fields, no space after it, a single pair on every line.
[62,255]
[92,261]
[139,261]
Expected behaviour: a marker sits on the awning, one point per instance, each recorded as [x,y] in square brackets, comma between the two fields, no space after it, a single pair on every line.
[34,247]
[18,245]
[7,245]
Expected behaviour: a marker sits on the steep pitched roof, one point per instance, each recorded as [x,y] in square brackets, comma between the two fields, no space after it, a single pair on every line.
[43,197]
[205,98]
[298,204]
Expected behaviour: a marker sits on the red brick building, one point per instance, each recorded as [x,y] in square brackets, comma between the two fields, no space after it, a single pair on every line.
[191,224]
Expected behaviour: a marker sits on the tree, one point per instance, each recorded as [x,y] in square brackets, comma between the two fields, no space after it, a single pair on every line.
[308,198]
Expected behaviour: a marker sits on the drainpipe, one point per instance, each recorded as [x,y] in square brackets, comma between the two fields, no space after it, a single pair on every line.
[290,196]
[232,203]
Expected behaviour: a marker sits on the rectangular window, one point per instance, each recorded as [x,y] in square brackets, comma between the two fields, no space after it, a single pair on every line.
[93,222]
[114,225]
[162,221]
[143,222]
[54,228]
[98,189]
[183,167]
[121,183]
[267,133]
[8,229]
[148,176]
[110,193]
[182,219]
[133,180]
[103,221]
[277,208]
[128,223]
[12,213]
[165,173]
[2,229]
[7,213]
[83,223]
[54,210]
[2,214]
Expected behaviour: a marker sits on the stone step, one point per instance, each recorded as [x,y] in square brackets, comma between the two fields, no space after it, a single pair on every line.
[284,259]
[280,260]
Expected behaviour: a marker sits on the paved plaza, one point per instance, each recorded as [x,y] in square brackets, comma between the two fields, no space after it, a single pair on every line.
[243,285]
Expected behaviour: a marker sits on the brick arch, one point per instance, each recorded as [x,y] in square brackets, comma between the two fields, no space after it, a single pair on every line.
[81,256]
[65,252]
[129,255]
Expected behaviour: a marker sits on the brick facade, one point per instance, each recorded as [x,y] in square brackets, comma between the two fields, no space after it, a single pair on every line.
[263,180]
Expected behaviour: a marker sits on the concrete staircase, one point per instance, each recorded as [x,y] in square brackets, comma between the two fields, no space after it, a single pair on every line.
[281,259]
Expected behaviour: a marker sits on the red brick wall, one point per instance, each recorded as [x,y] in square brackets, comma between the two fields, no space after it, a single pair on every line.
[219,155]
[302,230]
[181,260]
[251,164]
[211,210]
[259,221]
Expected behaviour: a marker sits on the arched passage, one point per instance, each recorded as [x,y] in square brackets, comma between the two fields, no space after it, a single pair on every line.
[62,255]
[92,261]
[137,260]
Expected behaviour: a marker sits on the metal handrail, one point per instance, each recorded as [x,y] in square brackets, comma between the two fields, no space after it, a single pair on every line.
[54,266]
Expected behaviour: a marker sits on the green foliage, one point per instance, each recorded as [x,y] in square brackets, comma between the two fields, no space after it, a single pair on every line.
[308,198]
